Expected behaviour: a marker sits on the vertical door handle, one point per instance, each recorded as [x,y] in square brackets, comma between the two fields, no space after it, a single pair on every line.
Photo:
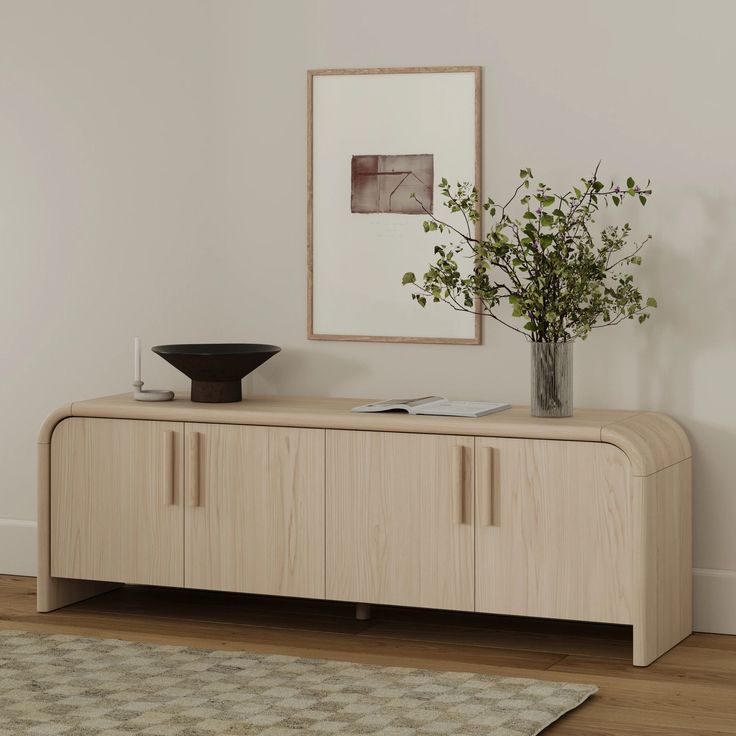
[458,475]
[193,475]
[169,475]
[489,483]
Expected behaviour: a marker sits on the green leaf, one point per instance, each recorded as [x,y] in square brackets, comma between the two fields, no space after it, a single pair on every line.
[569,290]
[652,302]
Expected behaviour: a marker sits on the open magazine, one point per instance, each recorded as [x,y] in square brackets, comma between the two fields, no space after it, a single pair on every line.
[435,405]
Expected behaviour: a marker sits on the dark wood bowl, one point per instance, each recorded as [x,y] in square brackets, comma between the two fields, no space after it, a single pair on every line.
[216,369]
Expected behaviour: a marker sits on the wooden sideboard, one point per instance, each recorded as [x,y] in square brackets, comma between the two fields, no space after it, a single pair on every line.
[586,518]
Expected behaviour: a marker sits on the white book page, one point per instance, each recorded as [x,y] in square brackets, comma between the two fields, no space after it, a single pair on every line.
[468,408]
[406,404]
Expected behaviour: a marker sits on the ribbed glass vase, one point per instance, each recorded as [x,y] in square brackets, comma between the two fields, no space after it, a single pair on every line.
[551,379]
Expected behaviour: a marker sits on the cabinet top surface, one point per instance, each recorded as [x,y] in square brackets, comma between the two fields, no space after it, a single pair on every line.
[651,440]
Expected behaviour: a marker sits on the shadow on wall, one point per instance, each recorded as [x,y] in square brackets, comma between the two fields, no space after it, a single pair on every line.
[307,369]
[686,363]
[694,322]
[714,467]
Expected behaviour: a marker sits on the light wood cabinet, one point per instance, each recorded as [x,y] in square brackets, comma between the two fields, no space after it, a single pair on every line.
[400,519]
[554,534]
[116,501]
[255,509]
[587,517]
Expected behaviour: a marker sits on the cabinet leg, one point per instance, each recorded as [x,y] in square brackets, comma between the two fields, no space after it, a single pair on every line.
[362,611]
[53,593]
[663,574]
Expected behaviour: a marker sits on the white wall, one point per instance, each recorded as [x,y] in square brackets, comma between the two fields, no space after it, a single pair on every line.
[173,134]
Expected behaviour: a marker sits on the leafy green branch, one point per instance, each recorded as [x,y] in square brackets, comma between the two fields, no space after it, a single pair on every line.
[545,262]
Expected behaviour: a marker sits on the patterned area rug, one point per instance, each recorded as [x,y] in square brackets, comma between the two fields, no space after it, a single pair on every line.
[57,684]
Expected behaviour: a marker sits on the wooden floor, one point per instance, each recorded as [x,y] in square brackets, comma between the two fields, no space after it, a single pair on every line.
[690,691]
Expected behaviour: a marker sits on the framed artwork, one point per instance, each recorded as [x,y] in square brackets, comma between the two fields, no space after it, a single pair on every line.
[379,142]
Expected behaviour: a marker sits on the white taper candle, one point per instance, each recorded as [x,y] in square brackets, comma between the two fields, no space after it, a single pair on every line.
[137,358]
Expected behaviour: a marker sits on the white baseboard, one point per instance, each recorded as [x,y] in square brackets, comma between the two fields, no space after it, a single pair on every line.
[17,547]
[714,601]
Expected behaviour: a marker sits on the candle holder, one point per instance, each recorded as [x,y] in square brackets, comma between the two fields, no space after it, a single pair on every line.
[139,394]
[150,394]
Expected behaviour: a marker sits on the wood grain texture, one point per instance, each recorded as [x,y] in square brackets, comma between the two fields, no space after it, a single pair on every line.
[560,543]
[110,516]
[53,593]
[652,441]
[258,522]
[47,428]
[663,566]
[688,692]
[334,413]
[394,70]
[659,593]
[311,74]
[394,533]
[153,544]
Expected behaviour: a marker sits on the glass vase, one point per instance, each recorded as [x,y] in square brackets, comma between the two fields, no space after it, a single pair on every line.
[551,379]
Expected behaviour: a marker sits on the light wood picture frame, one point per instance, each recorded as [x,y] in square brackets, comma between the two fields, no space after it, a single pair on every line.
[361,167]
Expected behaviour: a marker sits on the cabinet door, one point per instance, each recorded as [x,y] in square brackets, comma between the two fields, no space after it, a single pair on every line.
[255,509]
[553,535]
[400,519]
[116,501]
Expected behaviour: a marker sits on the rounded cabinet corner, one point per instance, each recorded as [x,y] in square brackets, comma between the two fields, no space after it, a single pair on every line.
[651,440]
[51,422]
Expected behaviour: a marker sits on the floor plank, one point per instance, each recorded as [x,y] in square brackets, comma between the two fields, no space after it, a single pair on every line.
[534,641]
[690,691]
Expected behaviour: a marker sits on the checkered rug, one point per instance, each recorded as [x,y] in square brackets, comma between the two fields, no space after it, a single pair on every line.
[57,684]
